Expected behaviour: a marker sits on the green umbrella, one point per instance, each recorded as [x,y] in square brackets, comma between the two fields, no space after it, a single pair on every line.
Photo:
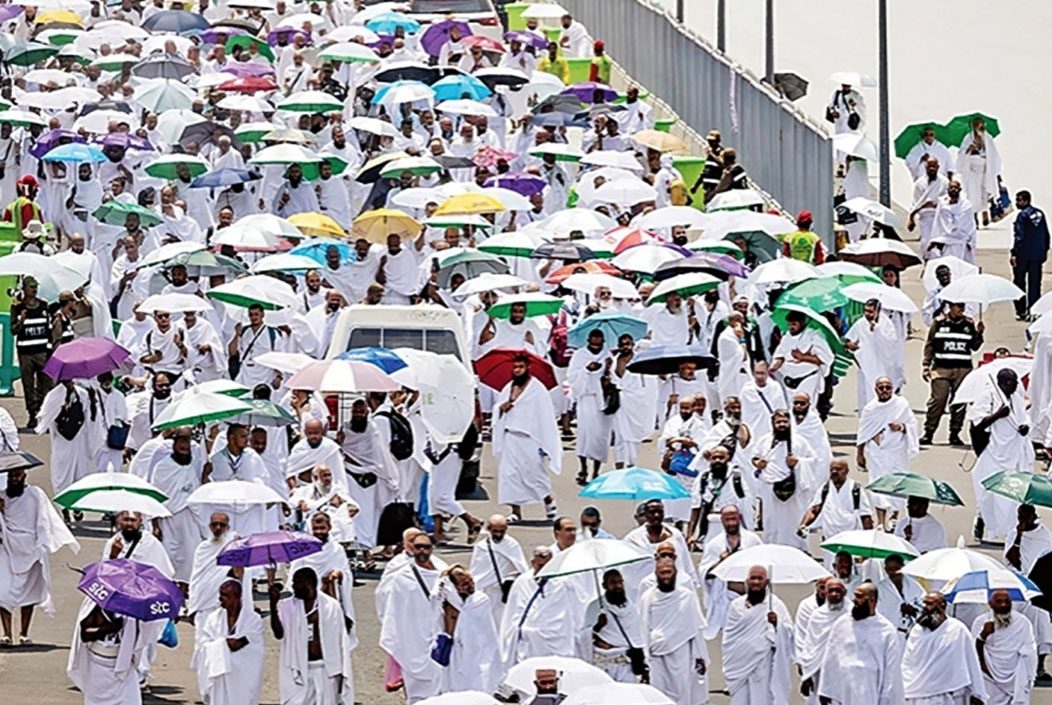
[722,247]
[310,102]
[869,543]
[1025,487]
[253,132]
[912,134]
[199,409]
[29,53]
[511,244]
[115,213]
[312,170]
[244,40]
[908,484]
[265,413]
[204,264]
[814,320]
[824,294]
[959,127]
[536,305]
[166,167]
[348,52]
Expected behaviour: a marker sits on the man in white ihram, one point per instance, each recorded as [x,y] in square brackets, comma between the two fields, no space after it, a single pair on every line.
[314,449]
[1007,651]
[878,351]
[177,474]
[928,149]
[496,561]
[672,626]
[718,593]
[615,629]
[954,226]
[206,575]
[370,458]
[540,617]
[863,665]
[812,636]
[940,665]
[802,358]
[230,650]
[930,186]
[589,366]
[887,440]
[760,397]
[782,465]
[757,645]
[463,613]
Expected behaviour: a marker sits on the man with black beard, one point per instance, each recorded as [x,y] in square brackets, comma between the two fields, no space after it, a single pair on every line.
[294,196]
[811,642]
[144,407]
[718,593]
[860,665]
[32,530]
[373,482]
[177,474]
[616,638]
[1007,651]
[940,665]
[783,470]
[722,485]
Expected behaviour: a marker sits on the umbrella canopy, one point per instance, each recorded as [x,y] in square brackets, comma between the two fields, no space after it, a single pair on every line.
[488,282]
[107,481]
[511,244]
[613,324]
[870,544]
[342,376]
[468,263]
[460,86]
[536,304]
[561,152]
[565,251]
[960,126]
[848,273]
[574,674]
[521,183]
[785,565]
[316,225]
[52,278]
[195,408]
[163,66]
[636,484]
[814,320]
[116,501]
[890,298]
[734,200]
[912,134]
[880,252]
[116,212]
[853,78]
[823,294]
[21,118]
[383,358]
[318,250]
[470,203]
[175,21]
[984,377]
[672,216]
[782,271]
[85,358]
[689,284]
[949,563]
[666,359]
[857,146]
[977,586]
[721,266]
[983,289]
[597,554]
[132,589]
[286,362]
[439,33]
[260,289]
[1024,487]
[268,548]
[75,154]
[494,369]
[414,166]
[462,697]
[619,694]
[265,413]
[310,102]
[873,210]
[164,94]
[659,141]
[908,484]
[284,262]
[589,283]
[168,166]
[284,154]
[349,53]
[377,225]
[645,259]
[447,392]
[237,493]
[625,192]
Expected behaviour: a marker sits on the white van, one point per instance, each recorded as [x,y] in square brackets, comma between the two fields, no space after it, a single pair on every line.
[421,327]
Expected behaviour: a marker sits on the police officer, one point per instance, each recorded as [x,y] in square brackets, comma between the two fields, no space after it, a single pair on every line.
[947,361]
[1029,252]
[31,326]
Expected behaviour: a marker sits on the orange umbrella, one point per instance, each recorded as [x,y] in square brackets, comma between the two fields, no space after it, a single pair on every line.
[592,266]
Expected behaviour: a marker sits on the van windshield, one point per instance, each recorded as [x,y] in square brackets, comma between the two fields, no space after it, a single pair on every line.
[441,342]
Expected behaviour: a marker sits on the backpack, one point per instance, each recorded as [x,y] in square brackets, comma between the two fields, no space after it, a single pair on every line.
[560,341]
[401,434]
[71,418]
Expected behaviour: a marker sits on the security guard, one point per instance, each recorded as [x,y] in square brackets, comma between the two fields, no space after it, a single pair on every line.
[947,361]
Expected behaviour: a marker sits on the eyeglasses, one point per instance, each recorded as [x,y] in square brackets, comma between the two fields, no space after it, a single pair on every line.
[218,523]
[422,546]
[163,315]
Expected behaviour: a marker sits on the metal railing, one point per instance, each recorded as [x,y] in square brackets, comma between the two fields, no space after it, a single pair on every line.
[787,154]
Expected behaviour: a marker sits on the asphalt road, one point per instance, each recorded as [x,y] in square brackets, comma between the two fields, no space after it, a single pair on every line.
[37,674]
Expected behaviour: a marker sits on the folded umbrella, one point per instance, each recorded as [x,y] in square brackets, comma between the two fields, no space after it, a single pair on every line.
[85,358]
[666,359]
[635,484]
[268,548]
[494,369]
[131,589]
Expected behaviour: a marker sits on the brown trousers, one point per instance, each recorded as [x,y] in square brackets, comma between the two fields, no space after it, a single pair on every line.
[944,384]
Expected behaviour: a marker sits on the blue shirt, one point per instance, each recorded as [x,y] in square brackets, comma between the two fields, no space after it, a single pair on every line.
[1031,235]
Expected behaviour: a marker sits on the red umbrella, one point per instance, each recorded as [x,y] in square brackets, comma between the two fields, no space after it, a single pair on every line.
[487,43]
[592,266]
[494,368]
[631,238]
[250,84]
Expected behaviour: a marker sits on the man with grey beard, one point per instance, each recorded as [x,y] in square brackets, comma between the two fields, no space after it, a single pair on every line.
[1007,651]
[811,642]
[940,665]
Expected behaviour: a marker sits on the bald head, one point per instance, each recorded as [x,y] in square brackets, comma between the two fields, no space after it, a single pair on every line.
[314,432]
[497,525]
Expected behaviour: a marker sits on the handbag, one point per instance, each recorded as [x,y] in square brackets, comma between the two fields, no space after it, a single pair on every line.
[679,463]
[117,436]
[365,480]
[853,120]
[442,649]
[636,656]
[169,637]
[794,382]
[611,399]
[786,488]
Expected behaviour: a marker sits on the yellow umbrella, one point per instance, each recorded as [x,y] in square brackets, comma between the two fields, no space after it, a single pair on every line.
[659,141]
[470,204]
[317,225]
[59,17]
[376,225]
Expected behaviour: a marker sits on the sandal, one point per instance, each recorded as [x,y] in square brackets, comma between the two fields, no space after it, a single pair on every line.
[582,478]
[473,532]
[512,519]
[5,641]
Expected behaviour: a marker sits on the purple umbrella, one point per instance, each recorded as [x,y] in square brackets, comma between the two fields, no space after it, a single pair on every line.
[521,183]
[126,140]
[382,39]
[268,548]
[717,264]
[9,12]
[85,358]
[53,139]
[133,589]
[527,38]
[585,92]
[275,35]
[438,34]
[219,35]
[248,69]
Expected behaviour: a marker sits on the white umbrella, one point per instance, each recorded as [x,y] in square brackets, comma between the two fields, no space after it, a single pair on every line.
[619,694]
[625,192]
[645,258]
[199,408]
[373,126]
[314,101]
[447,392]
[464,697]
[23,117]
[511,200]
[299,20]
[411,164]
[102,481]
[586,183]
[1043,305]
[723,223]
[853,78]
[671,216]
[160,95]
[154,44]
[872,210]
[464,106]
[46,76]
[174,303]
[171,123]
[838,268]
[890,298]
[216,386]
[116,501]
[734,200]
[871,543]
[417,198]
[342,377]
[270,224]
[566,221]
[52,278]
[408,93]
[284,262]
[782,271]
[261,289]
[950,563]
[785,564]
[488,281]
[982,289]
[279,154]
[98,122]
[609,157]
[544,11]
[168,252]
[518,243]
[984,377]
[285,362]
[235,492]
[574,674]
[354,32]
[245,237]
[556,148]
[593,555]
[543,84]
[240,102]
[856,145]
[588,282]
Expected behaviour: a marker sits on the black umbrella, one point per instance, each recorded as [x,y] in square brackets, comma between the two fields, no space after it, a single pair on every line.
[175,21]
[566,251]
[666,359]
[370,171]
[410,71]
[689,265]
[792,86]
[118,105]
[18,460]
[449,162]
[494,79]
[560,102]
[164,66]
[207,132]
[1041,575]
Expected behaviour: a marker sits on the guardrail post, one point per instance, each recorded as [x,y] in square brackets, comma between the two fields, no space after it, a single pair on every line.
[769,22]
[885,127]
[721,26]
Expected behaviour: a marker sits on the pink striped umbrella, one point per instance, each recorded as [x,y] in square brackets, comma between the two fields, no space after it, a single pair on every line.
[342,376]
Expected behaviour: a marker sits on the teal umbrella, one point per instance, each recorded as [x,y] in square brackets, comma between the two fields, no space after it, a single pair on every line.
[116,212]
[820,295]
[28,53]
[1024,487]
[908,484]
[635,484]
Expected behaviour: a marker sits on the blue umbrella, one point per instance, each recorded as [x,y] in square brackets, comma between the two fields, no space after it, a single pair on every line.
[383,90]
[379,357]
[225,177]
[977,586]
[636,484]
[613,324]
[666,359]
[176,21]
[455,87]
[75,153]
[316,248]
[388,22]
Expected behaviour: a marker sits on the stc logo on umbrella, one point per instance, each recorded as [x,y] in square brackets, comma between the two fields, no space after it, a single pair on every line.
[160,608]
[98,591]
